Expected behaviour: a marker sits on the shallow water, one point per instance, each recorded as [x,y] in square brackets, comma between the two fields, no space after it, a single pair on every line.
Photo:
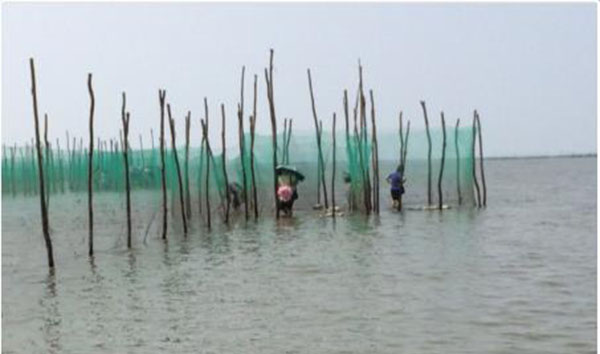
[517,277]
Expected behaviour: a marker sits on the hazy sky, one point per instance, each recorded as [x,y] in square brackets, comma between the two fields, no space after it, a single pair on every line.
[530,70]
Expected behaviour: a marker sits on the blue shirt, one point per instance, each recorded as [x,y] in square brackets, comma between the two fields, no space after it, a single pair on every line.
[395,179]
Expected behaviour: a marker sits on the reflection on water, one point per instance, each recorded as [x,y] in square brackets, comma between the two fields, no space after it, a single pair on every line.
[517,277]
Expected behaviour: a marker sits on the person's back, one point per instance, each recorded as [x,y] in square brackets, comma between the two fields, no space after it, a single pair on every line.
[396,180]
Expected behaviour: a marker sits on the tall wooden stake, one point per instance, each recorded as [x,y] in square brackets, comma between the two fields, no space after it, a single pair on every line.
[428,153]
[125,120]
[478,201]
[161,98]
[208,155]
[179,180]
[333,171]
[90,168]
[243,145]
[375,154]
[440,197]
[457,162]
[320,155]
[271,99]
[224,162]
[44,210]
[481,160]
[188,202]
[252,130]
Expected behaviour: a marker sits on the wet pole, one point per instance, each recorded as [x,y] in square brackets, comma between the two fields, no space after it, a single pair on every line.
[333,171]
[474,135]
[179,179]
[188,201]
[440,197]
[252,130]
[243,144]
[125,121]
[44,210]
[375,155]
[428,153]
[90,168]
[224,162]
[481,160]
[319,147]
[457,162]
[161,98]
[269,80]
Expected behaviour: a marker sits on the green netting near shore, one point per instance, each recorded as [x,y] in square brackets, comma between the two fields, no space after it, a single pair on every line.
[66,171]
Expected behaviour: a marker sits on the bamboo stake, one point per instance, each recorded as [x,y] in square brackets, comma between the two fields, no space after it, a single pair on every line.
[142,152]
[401,140]
[269,80]
[428,153]
[333,171]
[481,160]
[242,144]
[252,130]
[188,202]
[347,126]
[289,137]
[457,162]
[224,159]
[179,180]
[375,154]
[319,147]
[125,121]
[44,211]
[319,165]
[90,167]
[478,201]
[161,98]
[440,197]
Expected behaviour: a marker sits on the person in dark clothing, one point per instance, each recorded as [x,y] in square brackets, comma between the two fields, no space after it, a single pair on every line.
[396,180]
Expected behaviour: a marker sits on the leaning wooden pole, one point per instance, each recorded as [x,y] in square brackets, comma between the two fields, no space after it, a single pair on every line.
[440,197]
[90,169]
[178,169]
[403,160]
[269,80]
[125,121]
[242,144]
[188,201]
[224,162]
[457,162]
[401,141]
[474,135]
[333,170]
[161,98]
[484,188]
[375,154]
[252,130]
[428,153]
[319,146]
[44,210]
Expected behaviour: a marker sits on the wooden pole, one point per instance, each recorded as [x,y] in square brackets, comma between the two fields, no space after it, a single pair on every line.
[243,145]
[375,154]
[90,168]
[125,121]
[252,130]
[403,161]
[224,162]
[401,139]
[319,147]
[207,199]
[271,99]
[161,98]
[188,201]
[428,153]
[320,173]
[440,197]
[347,126]
[179,180]
[457,162]
[481,160]
[333,171]
[44,211]
[363,132]
[208,154]
[478,201]
[142,152]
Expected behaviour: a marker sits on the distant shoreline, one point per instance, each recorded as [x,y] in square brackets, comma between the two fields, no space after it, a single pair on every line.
[540,156]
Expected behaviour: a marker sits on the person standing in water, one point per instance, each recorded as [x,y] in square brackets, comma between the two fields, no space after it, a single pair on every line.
[396,181]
